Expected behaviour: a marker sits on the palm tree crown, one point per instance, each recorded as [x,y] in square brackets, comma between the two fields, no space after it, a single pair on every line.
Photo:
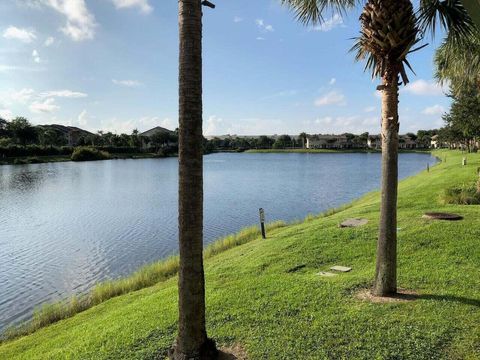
[389,30]
[392,37]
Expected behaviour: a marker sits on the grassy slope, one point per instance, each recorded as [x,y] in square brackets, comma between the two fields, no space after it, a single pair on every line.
[253,300]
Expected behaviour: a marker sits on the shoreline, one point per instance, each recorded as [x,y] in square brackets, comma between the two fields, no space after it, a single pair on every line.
[333,151]
[27,160]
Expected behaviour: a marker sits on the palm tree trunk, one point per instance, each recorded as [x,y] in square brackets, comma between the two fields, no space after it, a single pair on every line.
[192,341]
[386,267]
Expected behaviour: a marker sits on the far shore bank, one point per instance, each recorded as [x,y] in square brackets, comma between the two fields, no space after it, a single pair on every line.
[25,160]
[333,151]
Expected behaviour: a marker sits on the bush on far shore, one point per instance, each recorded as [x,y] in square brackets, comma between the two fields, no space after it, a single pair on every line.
[85,153]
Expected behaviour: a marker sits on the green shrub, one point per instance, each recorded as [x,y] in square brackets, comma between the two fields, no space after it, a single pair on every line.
[85,153]
[466,194]
[20,162]
[13,151]
[5,142]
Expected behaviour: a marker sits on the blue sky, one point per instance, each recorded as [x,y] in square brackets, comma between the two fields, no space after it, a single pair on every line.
[112,65]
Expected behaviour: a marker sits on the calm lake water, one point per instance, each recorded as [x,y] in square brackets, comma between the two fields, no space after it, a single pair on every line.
[66,226]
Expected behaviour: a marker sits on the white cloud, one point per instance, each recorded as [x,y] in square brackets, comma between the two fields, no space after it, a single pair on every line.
[49,41]
[215,125]
[237,19]
[340,124]
[83,118]
[263,26]
[332,98]
[369,109]
[128,83]
[23,35]
[22,96]
[332,81]
[260,38]
[46,106]
[285,93]
[36,56]
[335,21]
[63,94]
[142,124]
[422,87]
[143,5]
[6,114]
[434,110]
[8,68]
[80,23]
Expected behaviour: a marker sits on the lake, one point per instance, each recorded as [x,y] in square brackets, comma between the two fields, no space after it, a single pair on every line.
[66,226]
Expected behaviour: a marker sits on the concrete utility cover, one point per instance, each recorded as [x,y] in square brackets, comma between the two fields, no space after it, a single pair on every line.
[442,216]
[353,223]
[326,274]
[341,268]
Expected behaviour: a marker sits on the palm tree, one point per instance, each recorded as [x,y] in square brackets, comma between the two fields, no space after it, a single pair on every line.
[192,341]
[459,62]
[389,30]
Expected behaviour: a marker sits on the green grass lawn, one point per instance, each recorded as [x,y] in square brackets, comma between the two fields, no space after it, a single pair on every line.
[256,301]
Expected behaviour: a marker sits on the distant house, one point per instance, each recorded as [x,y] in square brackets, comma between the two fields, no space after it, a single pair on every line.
[404,142]
[327,142]
[148,135]
[73,135]
[407,143]
[435,143]
[374,142]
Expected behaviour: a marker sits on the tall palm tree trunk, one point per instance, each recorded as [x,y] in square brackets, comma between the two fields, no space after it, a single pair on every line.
[386,267]
[192,341]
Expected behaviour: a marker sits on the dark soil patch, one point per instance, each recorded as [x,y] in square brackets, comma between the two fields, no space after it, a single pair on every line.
[235,352]
[296,268]
[442,216]
[401,296]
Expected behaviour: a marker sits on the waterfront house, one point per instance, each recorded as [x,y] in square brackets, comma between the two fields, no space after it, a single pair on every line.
[434,142]
[73,135]
[327,142]
[157,132]
[406,142]
[374,142]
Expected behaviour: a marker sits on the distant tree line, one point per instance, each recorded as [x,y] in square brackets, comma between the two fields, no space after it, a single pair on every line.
[19,138]
[462,122]
[458,64]
[241,143]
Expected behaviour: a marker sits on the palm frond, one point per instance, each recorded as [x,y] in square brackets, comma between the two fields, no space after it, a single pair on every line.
[459,62]
[451,15]
[311,11]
